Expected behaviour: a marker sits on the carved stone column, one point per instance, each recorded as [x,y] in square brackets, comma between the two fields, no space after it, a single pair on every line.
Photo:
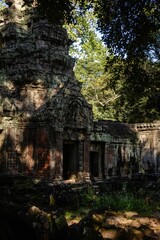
[86,159]
[80,160]
[105,161]
[56,162]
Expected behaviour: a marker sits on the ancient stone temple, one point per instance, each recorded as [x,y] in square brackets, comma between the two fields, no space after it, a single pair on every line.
[44,118]
[46,125]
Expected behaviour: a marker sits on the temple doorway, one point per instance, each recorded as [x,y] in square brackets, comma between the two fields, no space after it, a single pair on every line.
[69,160]
[94,164]
[96,160]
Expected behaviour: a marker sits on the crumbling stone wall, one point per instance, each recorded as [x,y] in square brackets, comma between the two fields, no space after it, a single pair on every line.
[120,153]
[149,138]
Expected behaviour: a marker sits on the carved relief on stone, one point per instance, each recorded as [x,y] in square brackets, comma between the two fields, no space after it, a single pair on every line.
[42,159]
[75,115]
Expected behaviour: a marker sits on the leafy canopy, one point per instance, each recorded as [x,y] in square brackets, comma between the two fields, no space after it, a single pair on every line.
[129,27]
[125,89]
[138,87]
[90,54]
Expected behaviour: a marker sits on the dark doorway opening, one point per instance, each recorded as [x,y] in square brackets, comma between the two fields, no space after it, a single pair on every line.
[94,164]
[69,161]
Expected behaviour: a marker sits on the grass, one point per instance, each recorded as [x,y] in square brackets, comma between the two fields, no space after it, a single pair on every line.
[113,201]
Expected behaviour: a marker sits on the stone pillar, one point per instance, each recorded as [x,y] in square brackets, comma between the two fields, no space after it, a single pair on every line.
[86,159]
[56,162]
[101,161]
[155,151]
[105,161]
[80,160]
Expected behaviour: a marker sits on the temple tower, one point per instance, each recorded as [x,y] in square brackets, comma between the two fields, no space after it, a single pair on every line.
[45,122]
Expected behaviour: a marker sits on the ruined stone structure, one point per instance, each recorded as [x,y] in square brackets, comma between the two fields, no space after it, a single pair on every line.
[43,112]
[149,145]
[118,146]
[46,125]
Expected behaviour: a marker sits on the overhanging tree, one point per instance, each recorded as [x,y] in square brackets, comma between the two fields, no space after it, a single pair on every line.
[138,86]
[130,28]
[135,92]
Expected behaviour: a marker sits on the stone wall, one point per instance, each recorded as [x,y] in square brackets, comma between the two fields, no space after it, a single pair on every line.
[119,151]
[129,149]
[149,137]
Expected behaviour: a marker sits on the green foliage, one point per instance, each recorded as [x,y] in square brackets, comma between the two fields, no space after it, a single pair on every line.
[130,28]
[51,200]
[123,23]
[2,4]
[137,84]
[114,201]
[117,88]
[90,54]
[57,11]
